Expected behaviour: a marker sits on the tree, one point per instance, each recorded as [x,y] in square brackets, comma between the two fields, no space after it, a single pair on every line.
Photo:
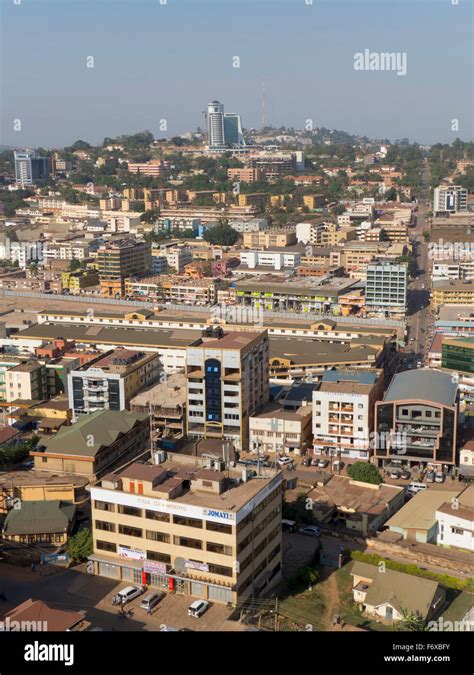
[81,545]
[365,473]
[410,621]
[150,216]
[221,235]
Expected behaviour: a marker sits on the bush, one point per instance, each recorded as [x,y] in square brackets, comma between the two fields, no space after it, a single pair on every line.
[411,568]
[81,545]
[365,472]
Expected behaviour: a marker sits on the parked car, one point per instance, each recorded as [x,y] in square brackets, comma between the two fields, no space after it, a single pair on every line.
[419,364]
[130,593]
[414,488]
[405,474]
[284,461]
[151,599]
[430,477]
[310,531]
[337,464]
[306,461]
[439,477]
[323,463]
[314,461]
[395,473]
[197,608]
[288,525]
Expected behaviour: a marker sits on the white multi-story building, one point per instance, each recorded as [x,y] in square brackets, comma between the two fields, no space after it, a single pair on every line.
[343,413]
[277,260]
[228,382]
[67,250]
[254,225]
[386,289]
[453,269]
[450,198]
[456,521]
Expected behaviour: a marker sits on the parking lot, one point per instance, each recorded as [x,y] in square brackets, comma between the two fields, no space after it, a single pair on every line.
[172,610]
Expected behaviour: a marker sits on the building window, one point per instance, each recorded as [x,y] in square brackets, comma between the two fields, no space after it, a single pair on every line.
[218,548]
[129,511]
[219,527]
[187,542]
[106,546]
[104,506]
[105,526]
[188,522]
[130,531]
[158,536]
[158,557]
[157,515]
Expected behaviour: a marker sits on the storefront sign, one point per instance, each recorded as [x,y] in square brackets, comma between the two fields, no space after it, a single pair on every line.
[191,565]
[153,567]
[131,553]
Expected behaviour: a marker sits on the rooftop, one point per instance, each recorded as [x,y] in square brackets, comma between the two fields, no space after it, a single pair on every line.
[424,385]
[103,427]
[186,467]
[420,512]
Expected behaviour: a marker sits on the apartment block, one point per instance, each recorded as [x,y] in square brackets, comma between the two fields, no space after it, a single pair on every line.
[275,430]
[450,199]
[273,238]
[452,293]
[418,419]
[228,382]
[188,527]
[111,380]
[386,289]
[119,260]
[343,413]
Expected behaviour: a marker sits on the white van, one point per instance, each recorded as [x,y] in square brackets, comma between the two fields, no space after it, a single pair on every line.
[414,488]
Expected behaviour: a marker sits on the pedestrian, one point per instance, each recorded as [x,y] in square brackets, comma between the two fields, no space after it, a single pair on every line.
[148,610]
[41,567]
[33,566]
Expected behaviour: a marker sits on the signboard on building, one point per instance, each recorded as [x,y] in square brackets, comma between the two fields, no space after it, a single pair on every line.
[192,565]
[131,553]
[153,567]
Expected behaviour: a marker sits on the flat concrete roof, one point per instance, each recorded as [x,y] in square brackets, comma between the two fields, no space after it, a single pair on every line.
[127,336]
[420,512]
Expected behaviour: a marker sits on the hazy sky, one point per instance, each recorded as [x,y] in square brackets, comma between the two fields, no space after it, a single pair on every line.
[157,61]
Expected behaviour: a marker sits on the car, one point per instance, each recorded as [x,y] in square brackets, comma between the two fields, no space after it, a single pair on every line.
[169,629]
[405,474]
[130,593]
[314,461]
[284,461]
[27,464]
[395,473]
[306,461]
[439,477]
[197,608]
[151,599]
[337,464]
[419,364]
[323,463]
[310,531]
[430,477]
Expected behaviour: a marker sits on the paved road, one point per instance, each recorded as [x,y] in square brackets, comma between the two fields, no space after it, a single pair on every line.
[420,317]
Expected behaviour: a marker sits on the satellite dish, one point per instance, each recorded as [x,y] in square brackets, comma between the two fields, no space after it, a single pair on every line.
[179,565]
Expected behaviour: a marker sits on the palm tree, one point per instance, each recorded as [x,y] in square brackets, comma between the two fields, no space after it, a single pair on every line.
[410,621]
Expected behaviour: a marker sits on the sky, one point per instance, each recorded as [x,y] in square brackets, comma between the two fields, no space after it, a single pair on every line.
[156,60]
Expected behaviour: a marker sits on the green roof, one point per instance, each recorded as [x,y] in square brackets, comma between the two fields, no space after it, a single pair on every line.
[39,517]
[91,432]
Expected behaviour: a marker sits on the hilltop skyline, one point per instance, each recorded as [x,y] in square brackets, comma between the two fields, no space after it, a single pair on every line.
[153,62]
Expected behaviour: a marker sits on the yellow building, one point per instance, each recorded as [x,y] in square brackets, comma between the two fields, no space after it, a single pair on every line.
[452,293]
[184,527]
